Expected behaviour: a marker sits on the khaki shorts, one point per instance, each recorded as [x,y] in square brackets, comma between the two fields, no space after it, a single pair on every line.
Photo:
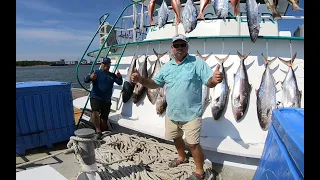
[191,129]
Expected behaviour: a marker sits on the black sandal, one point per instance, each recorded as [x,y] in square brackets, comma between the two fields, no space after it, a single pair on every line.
[196,176]
[176,162]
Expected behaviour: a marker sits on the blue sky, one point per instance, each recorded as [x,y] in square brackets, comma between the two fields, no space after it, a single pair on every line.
[50,30]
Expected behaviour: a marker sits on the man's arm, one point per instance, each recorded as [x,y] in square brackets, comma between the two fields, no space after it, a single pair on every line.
[149,83]
[206,74]
[211,82]
[118,80]
[87,78]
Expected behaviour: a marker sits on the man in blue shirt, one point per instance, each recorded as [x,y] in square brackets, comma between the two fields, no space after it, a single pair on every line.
[100,98]
[183,77]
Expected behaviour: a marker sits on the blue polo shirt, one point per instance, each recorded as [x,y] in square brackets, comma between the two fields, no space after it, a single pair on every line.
[102,86]
[183,87]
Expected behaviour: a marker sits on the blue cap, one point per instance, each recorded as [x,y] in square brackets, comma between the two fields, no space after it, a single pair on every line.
[106,60]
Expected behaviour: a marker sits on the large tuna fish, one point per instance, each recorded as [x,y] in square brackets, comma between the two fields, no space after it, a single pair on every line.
[272,6]
[206,99]
[220,92]
[221,8]
[163,14]
[253,18]
[152,94]
[139,89]
[128,86]
[241,89]
[291,96]
[176,8]
[266,96]
[189,16]
[161,102]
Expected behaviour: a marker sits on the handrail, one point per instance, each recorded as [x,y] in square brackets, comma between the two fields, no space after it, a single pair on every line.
[77,68]
[114,70]
[112,28]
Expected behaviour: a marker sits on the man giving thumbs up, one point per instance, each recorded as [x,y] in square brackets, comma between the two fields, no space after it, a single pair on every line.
[183,76]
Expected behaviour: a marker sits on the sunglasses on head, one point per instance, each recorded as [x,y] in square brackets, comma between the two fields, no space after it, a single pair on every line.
[179,45]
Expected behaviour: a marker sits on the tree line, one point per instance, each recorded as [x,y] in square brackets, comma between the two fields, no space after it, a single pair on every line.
[32,63]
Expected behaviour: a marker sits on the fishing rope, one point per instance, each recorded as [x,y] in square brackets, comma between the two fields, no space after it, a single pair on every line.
[137,50]
[132,157]
[128,157]
[159,46]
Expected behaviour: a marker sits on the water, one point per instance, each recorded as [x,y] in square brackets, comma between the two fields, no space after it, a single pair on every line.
[54,73]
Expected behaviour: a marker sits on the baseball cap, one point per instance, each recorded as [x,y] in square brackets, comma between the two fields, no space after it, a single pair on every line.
[106,60]
[179,37]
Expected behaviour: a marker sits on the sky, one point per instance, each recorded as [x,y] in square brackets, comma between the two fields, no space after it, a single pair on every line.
[62,29]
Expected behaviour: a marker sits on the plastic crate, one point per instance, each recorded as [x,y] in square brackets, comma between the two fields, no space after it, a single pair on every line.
[44,114]
[283,154]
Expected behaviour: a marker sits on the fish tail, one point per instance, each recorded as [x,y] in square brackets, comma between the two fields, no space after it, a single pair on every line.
[203,57]
[159,55]
[242,57]
[290,62]
[268,61]
[222,60]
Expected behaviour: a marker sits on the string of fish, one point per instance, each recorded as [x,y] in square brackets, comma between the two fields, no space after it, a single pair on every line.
[129,157]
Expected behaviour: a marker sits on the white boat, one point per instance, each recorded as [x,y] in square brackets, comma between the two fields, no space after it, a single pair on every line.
[225,141]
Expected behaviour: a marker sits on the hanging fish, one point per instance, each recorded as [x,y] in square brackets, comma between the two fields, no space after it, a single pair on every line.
[163,14]
[266,96]
[220,92]
[176,8]
[189,16]
[253,18]
[241,89]
[206,99]
[221,8]
[291,96]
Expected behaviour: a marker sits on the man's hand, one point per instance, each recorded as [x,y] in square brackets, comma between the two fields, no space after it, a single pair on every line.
[217,75]
[93,76]
[135,76]
[118,74]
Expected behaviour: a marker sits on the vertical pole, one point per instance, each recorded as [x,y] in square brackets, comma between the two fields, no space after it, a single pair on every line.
[239,25]
[134,22]
[87,153]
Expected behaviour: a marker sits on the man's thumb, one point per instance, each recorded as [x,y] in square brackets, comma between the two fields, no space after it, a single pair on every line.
[135,70]
[218,67]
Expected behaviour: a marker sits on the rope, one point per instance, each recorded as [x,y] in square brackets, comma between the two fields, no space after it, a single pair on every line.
[128,157]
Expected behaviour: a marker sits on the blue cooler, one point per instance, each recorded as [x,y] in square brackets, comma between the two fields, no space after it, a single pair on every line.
[44,114]
[283,154]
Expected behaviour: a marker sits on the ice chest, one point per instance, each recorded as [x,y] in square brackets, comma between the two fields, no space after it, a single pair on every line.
[283,154]
[44,114]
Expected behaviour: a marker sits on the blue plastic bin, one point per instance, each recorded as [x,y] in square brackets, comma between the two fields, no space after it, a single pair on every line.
[283,154]
[44,114]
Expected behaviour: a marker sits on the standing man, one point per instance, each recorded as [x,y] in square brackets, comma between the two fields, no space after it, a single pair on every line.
[100,98]
[183,76]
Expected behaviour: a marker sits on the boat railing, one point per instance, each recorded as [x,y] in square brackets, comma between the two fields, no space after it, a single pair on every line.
[135,24]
